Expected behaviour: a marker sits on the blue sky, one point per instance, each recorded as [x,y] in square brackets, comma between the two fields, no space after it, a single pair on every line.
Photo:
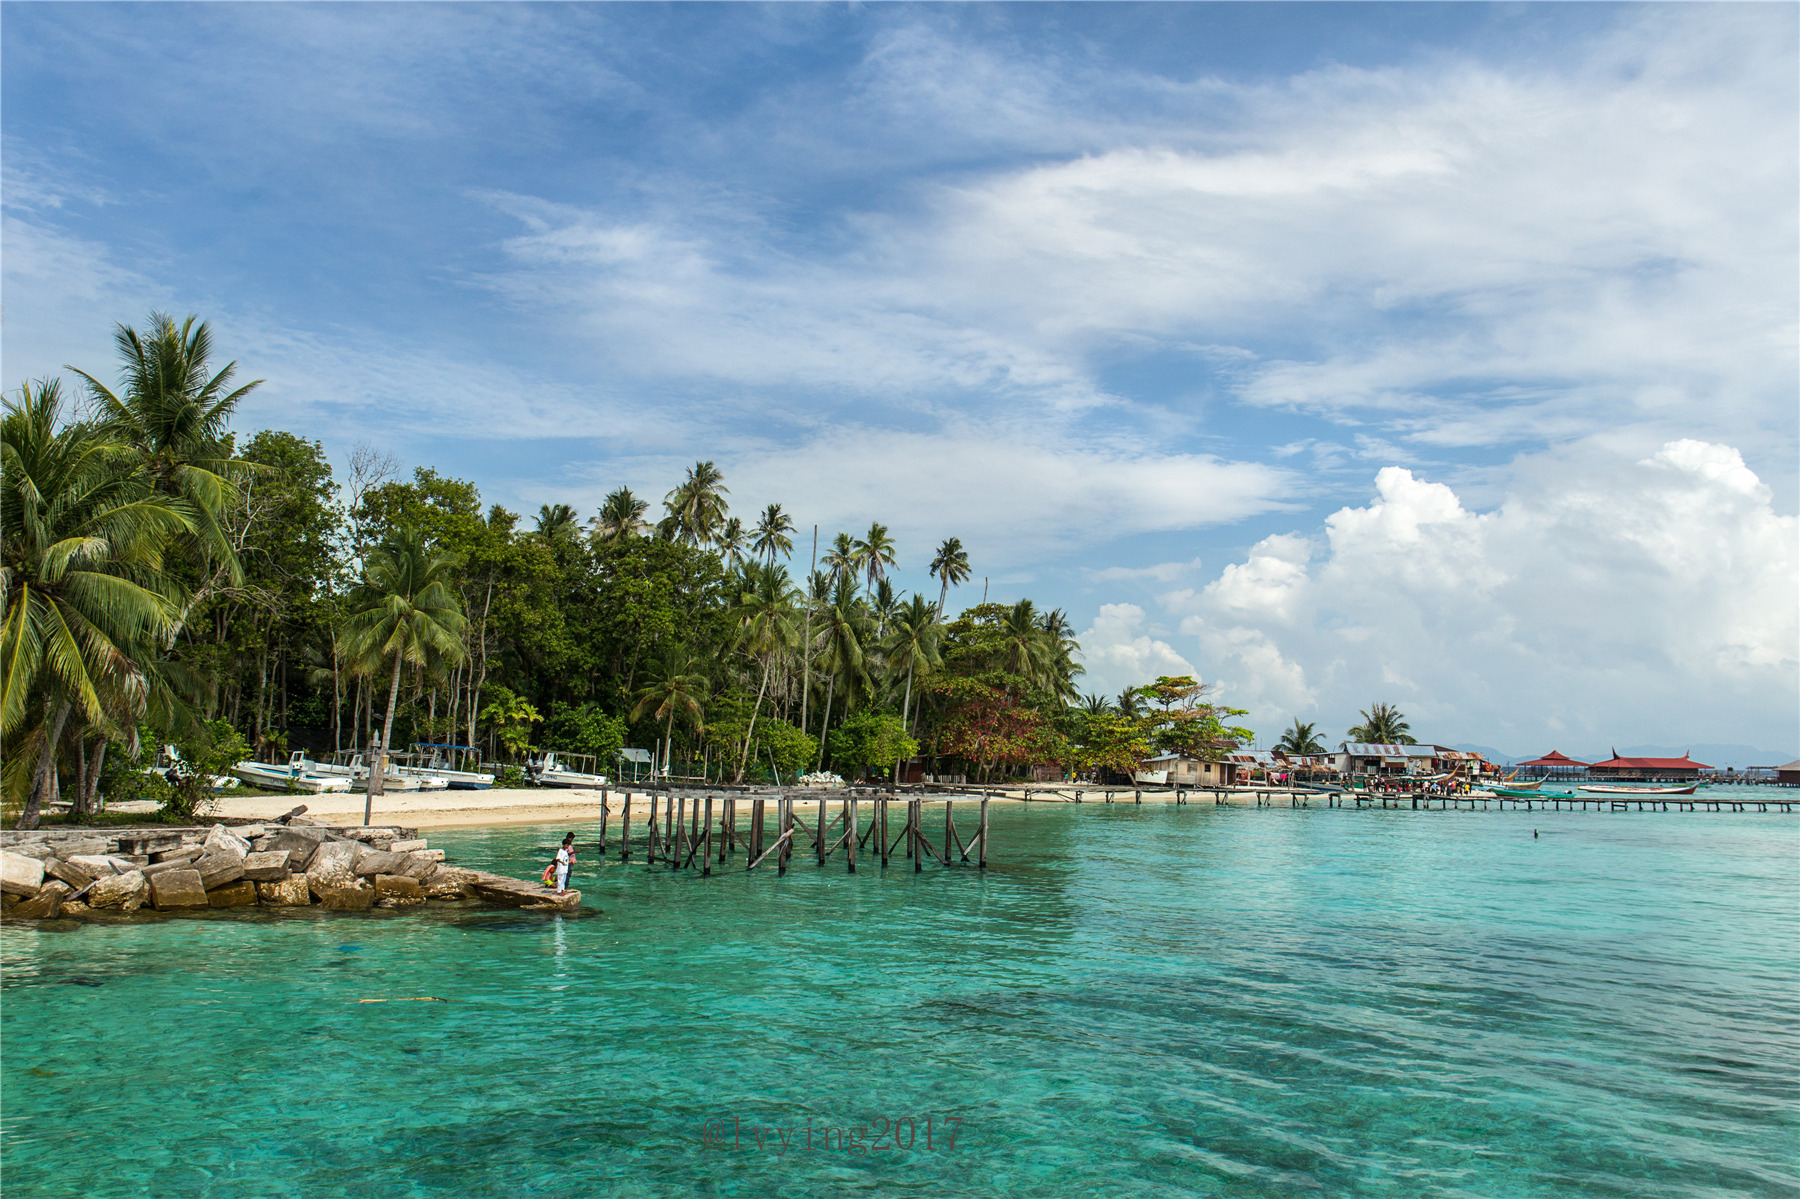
[1443,355]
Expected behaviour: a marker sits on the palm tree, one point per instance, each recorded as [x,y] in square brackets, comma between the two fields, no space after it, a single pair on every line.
[696,508]
[675,685]
[1095,705]
[952,566]
[874,554]
[732,541]
[1023,651]
[1301,738]
[770,536]
[883,604]
[1383,724]
[555,522]
[840,559]
[843,634]
[174,417]
[764,616]
[621,516]
[1131,703]
[407,609]
[82,581]
[913,642]
[1059,649]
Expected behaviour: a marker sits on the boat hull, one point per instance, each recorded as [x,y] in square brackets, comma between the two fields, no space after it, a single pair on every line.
[1639,790]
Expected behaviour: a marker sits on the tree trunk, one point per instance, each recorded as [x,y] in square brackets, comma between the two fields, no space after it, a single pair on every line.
[825,724]
[669,741]
[84,803]
[45,773]
[744,758]
[378,772]
[905,711]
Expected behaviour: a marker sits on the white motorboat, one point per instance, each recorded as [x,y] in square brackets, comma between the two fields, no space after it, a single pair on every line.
[440,761]
[554,770]
[295,776]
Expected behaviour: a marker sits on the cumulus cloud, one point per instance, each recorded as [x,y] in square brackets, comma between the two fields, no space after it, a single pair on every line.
[1119,651]
[1604,598]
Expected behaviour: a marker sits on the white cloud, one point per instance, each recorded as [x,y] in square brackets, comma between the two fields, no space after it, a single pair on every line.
[1119,652]
[1161,572]
[1606,598]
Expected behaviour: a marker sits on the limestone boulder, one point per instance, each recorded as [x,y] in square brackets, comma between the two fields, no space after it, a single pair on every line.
[371,862]
[393,890]
[270,866]
[299,845]
[417,867]
[290,892]
[180,861]
[220,839]
[98,864]
[218,867]
[513,893]
[240,894]
[177,888]
[428,855]
[69,873]
[249,832]
[74,907]
[341,892]
[126,892]
[333,857]
[20,875]
[447,882]
[407,846]
[35,849]
[46,904]
[180,853]
[83,845]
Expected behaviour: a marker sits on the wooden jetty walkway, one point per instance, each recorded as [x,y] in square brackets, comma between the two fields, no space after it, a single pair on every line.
[1419,801]
[689,827]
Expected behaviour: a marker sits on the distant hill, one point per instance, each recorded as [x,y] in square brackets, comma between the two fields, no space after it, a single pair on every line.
[1712,754]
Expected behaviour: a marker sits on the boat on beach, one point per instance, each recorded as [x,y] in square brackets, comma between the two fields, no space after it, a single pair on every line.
[442,761]
[297,775]
[552,770]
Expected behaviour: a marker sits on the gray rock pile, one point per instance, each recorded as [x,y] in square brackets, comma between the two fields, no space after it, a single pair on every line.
[53,873]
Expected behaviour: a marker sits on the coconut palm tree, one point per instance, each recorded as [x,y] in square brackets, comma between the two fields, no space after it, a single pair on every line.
[1023,649]
[912,642]
[1095,705]
[883,604]
[874,553]
[676,684]
[1131,703]
[950,565]
[732,541]
[406,610]
[765,617]
[174,417]
[621,516]
[1059,651]
[1383,724]
[85,594]
[840,559]
[555,522]
[1301,738]
[770,537]
[843,635]
[696,508]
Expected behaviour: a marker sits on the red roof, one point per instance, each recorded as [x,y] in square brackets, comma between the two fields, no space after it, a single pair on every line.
[1682,763]
[1553,759]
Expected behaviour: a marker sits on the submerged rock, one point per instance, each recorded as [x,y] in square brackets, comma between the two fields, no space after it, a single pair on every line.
[232,895]
[290,892]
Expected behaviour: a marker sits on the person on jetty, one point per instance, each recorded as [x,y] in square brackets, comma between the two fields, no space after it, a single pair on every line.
[565,862]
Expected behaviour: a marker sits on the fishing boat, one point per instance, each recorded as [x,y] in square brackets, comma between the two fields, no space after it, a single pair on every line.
[297,775]
[448,763]
[552,770]
[1687,790]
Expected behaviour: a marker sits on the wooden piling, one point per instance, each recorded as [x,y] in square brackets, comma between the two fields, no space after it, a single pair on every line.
[652,843]
[881,841]
[850,843]
[1137,797]
[625,830]
[915,816]
[785,818]
[603,824]
[681,833]
[706,845]
[984,831]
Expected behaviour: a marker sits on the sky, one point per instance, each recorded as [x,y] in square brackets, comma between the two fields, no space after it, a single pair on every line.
[1438,355]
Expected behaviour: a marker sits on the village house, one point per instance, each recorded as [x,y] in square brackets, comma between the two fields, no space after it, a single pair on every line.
[1180,770]
[1642,770]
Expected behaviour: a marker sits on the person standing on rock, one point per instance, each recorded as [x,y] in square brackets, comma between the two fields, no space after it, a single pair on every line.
[565,862]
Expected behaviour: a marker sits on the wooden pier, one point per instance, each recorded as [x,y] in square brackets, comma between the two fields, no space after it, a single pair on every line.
[690,828]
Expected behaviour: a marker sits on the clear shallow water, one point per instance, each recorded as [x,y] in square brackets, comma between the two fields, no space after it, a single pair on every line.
[1131,1001]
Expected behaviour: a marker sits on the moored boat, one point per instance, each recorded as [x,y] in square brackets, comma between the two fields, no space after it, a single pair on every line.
[1687,790]
[552,771]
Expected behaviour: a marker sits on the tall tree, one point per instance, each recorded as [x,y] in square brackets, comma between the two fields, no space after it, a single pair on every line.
[174,417]
[733,541]
[556,522]
[770,537]
[764,614]
[841,560]
[676,685]
[696,508]
[407,610]
[874,553]
[951,565]
[1382,724]
[621,516]
[85,592]
[842,637]
[1301,738]
[912,644]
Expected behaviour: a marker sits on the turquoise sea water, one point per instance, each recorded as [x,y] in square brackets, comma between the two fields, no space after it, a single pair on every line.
[1131,1001]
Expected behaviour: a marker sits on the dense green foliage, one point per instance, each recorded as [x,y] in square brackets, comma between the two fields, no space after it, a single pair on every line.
[161,573]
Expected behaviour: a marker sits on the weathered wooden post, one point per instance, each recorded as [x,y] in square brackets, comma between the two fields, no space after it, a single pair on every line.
[706,842]
[949,823]
[756,828]
[850,844]
[652,842]
[784,818]
[881,841]
[681,833]
[984,831]
[1137,796]
[603,824]
[625,830]
[727,826]
[915,816]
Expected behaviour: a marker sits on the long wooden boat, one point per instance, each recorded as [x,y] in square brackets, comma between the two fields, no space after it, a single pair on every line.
[1512,792]
[1688,790]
